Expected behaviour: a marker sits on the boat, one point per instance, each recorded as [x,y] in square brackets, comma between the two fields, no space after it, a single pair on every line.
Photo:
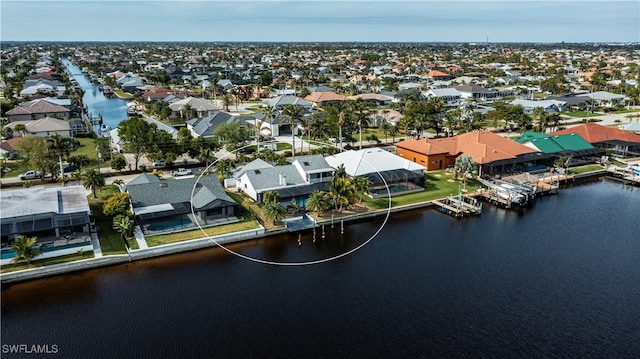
[105,128]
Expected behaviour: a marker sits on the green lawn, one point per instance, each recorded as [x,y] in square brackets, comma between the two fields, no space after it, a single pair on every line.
[580,114]
[197,233]
[45,262]
[585,169]
[437,187]
[88,148]
[17,167]
[121,94]
[110,241]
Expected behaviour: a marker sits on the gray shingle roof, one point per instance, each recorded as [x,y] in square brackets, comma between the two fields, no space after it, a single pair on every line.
[269,177]
[313,163]
[256,164]
[207,194]
[206,125]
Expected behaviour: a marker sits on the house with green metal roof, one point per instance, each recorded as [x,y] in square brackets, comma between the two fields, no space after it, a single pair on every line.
[173,205]
[568,145]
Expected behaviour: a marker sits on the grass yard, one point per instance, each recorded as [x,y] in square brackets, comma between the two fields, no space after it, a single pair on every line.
[110,241]
[624,111]
[437,187]
[88,148]
[249,222]
[45,262]
[17,167]
[245,224]
[122,95]
[585,169]
[580,114]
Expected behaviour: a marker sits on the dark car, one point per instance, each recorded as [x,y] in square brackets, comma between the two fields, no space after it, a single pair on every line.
[69,169]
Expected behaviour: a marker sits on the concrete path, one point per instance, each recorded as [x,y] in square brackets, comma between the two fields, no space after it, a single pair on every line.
[137,232]
[97,250]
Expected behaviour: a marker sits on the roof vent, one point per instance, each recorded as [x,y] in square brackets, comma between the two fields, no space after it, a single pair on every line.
[305,163]
[163,184]
[198,185]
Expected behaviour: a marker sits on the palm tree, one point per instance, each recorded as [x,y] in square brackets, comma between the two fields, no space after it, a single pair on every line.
[270,197]
[540,117]
[226,101]
[360,109]
[206,155]
[361,185]
[341,191]
[186,111]
[20,128]
[385,127]
[318,201]
[294,114]
[123,225]
[59,146]
[92,179]
[224,166]
[80,160]
[24,247]
[273,211]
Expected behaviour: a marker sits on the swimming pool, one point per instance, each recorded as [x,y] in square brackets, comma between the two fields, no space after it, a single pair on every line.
[392,189]
[170,225]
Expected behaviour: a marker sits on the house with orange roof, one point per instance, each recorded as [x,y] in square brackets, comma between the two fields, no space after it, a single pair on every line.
[439,75]
[621,143]
[493,153]
[320,99]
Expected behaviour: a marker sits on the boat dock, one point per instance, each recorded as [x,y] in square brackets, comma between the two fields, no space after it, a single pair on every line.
[459,206]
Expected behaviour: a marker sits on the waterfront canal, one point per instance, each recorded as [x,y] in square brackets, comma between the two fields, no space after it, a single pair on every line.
[112,110]
[558,279]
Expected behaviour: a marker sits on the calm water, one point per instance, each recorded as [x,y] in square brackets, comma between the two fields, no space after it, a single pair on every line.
[113,110]
[559,279]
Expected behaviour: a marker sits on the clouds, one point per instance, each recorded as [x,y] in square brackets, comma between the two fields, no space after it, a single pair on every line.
[513,21]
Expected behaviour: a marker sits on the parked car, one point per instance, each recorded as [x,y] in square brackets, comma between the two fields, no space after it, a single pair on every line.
[159,163]
[29,175]
[181,172]
[70,168]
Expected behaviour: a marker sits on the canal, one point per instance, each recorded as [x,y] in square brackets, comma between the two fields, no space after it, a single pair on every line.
[112,110]
[558,279]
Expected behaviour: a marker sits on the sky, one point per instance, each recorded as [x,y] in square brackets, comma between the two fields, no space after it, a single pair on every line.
[320,21]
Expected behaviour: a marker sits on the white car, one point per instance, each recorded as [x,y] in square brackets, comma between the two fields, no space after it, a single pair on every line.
[181,172]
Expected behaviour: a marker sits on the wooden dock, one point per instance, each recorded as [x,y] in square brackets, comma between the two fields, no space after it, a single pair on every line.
[492,197]
[459,206]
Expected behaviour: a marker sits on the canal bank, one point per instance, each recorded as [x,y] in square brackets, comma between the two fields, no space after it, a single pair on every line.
[207,242]
[549,279]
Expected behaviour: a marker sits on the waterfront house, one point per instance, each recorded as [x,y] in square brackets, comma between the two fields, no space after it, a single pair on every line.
[569,145]
[293,183]
[382,168]
[57,216]
[36,109]
[161,206]
[493,153]
[621,143]
[44,127]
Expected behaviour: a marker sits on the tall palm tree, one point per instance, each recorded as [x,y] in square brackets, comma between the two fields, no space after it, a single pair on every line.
[59,146]
[20,128]
[361,110]
[318,201]
[206,155]
[341,191]
[92,179]
[273,211]
[361,185]
[294,114]
[24,247]
[540,117]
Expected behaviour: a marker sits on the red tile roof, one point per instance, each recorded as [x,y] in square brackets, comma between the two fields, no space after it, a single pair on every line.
[595,133]
[436,73]
[483,146]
